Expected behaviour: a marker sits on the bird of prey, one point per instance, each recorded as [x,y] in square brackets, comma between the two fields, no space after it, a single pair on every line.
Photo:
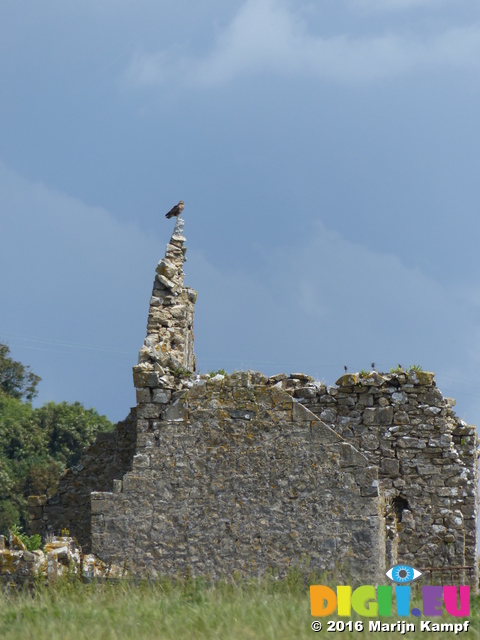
[176,210]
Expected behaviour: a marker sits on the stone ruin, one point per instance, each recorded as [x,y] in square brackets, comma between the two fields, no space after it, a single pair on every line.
[251,474]
[60,556]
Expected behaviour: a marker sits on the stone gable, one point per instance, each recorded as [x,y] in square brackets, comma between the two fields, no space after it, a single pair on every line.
[238,477]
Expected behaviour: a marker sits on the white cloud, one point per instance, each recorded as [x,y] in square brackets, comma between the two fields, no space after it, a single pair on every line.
[395,5]
[267,37]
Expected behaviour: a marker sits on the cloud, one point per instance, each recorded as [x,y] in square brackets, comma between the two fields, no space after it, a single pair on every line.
[75,289]
[267,37]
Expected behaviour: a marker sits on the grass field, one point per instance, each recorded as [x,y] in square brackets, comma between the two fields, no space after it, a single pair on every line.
[176,610]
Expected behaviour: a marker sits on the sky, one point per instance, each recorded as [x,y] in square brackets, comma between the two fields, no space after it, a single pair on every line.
[328,155]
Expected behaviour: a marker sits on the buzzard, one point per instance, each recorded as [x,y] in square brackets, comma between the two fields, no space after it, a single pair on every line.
[176,210]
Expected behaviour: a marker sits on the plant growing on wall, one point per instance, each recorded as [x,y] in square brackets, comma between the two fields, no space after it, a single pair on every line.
[221,372]
[31,542]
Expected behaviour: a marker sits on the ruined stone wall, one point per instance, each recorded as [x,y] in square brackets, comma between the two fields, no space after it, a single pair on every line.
[229,474]
[426,455]
[168,346]
[235,476]
[248,473]
[108,459]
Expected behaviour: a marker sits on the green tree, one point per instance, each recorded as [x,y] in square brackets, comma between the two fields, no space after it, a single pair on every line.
[20,445]
[36,445]
[42,478]
[67,428]
[16,379]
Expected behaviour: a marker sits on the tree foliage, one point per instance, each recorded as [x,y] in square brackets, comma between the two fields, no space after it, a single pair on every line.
[36,445]
[16,379]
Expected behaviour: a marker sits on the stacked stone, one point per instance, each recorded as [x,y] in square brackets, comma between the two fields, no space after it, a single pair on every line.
[426,455]
[166,357]
[60,556]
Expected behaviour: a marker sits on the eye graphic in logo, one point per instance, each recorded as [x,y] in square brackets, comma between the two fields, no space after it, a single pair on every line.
[403,573]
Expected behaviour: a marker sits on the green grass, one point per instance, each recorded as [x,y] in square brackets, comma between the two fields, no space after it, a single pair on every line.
[175,609]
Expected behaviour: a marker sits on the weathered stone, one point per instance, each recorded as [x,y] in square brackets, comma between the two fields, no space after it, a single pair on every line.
[143,395]
[424,378]
[140,460]
[426,469]
[407,519]
[149,411]
[162,395]
[369,442]
[349,401]
[373,380]
[177,411]
[348,380]
[242,414]
[301,376]
[191,295]
[328,415]
[305,392]
[366,399]
[407,442]
[369,416]
[432,411]
[390,466]
[168,284]
[278,377]
[384,415]
[146,379]
[166,268]
[401,417]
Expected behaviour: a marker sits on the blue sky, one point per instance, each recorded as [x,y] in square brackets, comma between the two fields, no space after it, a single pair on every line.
[328,156]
